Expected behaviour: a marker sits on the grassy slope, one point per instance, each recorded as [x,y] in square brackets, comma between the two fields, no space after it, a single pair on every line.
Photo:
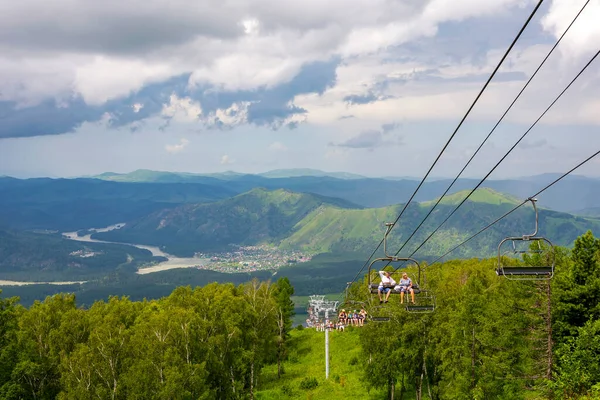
[483,195]
[324,227]
[309,222]
[328,229]
[255,217]
[307,359]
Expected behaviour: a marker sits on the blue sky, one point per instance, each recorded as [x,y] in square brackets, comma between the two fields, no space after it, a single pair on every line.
[373,87]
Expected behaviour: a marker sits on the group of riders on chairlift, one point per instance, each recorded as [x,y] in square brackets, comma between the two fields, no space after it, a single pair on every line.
[388,284]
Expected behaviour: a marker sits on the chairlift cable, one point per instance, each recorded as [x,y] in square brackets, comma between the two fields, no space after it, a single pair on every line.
[457,128]
[494,128]
[508,152]
[517,207]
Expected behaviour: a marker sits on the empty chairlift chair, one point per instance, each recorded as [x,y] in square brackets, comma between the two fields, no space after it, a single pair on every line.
[508,263]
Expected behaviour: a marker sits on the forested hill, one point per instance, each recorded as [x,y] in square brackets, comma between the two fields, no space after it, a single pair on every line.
[317,224]
[256,217]
[71,204]
[488,338]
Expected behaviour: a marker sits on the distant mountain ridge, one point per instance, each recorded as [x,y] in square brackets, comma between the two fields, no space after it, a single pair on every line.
[79,203]
[304,221]
[144,175]
[574,192]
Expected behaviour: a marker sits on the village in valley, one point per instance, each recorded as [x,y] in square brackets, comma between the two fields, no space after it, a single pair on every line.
[251,258]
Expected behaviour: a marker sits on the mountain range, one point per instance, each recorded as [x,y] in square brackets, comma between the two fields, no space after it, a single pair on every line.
[81,203]
[574,193]
[320,224]
[337,217]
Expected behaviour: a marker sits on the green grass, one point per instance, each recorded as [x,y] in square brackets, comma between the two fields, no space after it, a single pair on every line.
[307,360]
[483,195]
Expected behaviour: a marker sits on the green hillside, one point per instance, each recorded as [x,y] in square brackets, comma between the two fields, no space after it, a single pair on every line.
[360,230]
[483,195]
[307,361]
[487,338]
[73,204]
[318,224]
[256,217]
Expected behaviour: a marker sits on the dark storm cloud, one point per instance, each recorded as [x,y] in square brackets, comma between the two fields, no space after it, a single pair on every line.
[46,118]
[51,118]
[112,27]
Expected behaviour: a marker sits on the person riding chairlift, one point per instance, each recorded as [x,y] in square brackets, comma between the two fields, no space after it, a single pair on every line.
[386,285]
[405,286]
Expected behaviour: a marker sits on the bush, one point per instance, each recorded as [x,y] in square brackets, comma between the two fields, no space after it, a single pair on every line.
[309,383]
[287,390]
[353,360]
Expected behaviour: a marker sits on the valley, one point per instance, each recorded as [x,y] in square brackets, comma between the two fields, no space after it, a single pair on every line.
[187,231]
[238,260]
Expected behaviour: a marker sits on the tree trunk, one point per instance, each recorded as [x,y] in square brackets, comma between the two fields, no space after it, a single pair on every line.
[279,362]
[402,387]
[252,380]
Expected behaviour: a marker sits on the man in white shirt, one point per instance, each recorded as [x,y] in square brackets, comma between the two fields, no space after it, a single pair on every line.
[385,286]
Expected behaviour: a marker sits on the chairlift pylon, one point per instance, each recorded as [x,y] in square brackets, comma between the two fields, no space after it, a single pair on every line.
[516,272]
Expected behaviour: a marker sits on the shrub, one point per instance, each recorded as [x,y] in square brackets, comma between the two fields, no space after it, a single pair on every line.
[287,390]
[309,383]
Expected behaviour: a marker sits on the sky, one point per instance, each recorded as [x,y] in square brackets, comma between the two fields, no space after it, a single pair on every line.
[372,87]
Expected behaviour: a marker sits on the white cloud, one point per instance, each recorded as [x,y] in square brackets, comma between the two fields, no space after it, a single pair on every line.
[225,160]
[137,107]
[584,36]
[182,109]
[235,115]
[104,78]
[177,148]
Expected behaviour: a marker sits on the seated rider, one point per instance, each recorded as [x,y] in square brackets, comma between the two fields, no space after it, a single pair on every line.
[362,315]
[385,286]
[405,286]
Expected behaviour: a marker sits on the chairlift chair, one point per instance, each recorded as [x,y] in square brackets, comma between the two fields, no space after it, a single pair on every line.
[425,300]
[529,272]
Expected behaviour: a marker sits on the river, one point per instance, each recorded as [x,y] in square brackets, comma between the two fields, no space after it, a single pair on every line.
[172,262]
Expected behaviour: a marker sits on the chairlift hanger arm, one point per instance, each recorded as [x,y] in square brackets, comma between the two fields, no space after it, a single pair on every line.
[533,200]
[389,227]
